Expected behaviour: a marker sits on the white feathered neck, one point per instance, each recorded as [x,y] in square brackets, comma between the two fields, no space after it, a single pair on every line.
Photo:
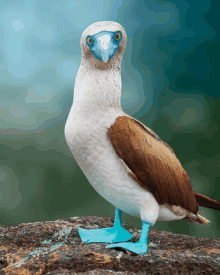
[98,84]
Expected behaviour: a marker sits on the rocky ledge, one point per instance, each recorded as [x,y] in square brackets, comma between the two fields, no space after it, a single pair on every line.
[55,248]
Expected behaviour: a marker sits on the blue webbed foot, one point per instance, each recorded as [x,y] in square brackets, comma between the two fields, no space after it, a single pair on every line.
[137,248]
[104,235]
[114,234]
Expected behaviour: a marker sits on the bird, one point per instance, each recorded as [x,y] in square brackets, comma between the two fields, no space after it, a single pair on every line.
[125,161]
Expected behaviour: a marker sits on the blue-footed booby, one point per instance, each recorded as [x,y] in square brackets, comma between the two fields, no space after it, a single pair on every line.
[125,161]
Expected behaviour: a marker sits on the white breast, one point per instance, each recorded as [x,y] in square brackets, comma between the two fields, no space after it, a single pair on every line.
[92,149]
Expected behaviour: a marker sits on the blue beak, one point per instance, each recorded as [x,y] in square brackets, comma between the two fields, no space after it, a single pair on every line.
[104,46]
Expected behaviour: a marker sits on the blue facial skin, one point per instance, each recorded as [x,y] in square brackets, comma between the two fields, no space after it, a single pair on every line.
[100,53]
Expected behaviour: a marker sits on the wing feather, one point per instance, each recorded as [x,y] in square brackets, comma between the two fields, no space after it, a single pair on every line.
[153,162]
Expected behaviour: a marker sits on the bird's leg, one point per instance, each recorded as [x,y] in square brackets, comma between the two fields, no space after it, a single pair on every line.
[139,247]
[114,234]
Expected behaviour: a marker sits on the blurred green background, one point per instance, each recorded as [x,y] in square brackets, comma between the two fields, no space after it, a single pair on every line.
[170,78]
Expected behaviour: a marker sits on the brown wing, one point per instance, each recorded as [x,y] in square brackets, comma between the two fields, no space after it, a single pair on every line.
[151,132]
[207,202]
[153,162]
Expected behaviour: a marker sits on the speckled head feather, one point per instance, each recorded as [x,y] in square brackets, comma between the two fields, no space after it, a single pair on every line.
[97,28]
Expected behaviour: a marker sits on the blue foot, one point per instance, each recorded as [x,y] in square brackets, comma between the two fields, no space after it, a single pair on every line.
[137,248]
[114,234]
[104,235]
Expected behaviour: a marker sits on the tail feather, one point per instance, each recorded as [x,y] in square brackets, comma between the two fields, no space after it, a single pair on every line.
[202,220]
[196,218]
[207,202]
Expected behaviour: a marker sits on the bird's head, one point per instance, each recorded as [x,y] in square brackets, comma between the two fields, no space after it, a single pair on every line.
[103,42]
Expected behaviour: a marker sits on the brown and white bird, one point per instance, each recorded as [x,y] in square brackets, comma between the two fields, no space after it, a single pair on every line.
[125,161]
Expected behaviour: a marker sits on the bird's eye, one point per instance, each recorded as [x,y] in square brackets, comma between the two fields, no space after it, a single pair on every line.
[117,36]
[90,40]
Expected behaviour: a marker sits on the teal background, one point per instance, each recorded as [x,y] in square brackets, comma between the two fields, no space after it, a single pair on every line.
[170,78]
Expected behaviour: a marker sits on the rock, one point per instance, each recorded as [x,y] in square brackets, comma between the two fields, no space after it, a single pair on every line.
[55,248]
